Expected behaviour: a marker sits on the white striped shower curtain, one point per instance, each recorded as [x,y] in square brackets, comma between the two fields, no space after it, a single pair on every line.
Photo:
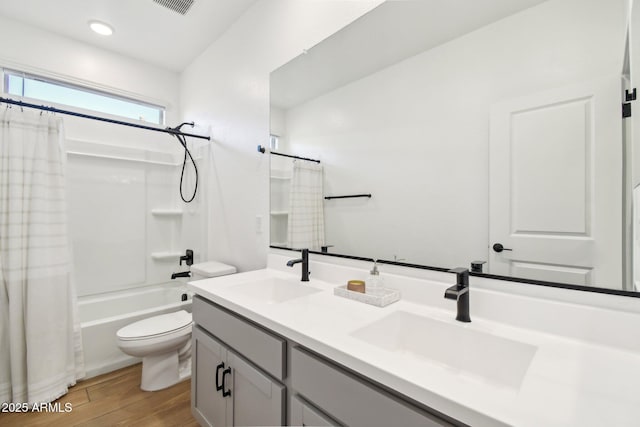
[40,341]
[305,227]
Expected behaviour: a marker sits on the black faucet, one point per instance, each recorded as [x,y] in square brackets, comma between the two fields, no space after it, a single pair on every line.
[476,266]
[460,293]
[188,257]
[305,264]
[181,274]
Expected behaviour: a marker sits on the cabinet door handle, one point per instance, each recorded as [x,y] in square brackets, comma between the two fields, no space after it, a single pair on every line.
[225,393]
[218,385]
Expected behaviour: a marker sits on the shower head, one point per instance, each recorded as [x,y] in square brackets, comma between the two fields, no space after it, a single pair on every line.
[179,127]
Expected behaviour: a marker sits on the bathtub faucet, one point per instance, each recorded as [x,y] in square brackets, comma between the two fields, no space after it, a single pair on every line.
[181,274]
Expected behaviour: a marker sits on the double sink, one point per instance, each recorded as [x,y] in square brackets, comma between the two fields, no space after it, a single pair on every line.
[459,348]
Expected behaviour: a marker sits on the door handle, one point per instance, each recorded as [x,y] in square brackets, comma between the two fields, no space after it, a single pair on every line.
[499,248]
[225,393]
[218,386]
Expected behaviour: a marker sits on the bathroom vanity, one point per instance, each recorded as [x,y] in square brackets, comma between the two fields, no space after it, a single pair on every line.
[250,383]
[270,350]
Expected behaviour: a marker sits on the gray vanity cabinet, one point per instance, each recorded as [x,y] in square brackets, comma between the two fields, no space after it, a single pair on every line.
[242,373]
[228,389]
[351,400]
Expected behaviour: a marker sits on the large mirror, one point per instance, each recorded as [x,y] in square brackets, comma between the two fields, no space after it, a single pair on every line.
[469,130]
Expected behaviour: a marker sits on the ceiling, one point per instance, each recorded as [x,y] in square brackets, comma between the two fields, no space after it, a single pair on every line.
[393,31]
[144,29]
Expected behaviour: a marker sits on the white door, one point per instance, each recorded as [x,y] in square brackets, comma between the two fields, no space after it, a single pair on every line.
[555,185]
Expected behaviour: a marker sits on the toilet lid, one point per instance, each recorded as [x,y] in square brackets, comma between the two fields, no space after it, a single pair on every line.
[212,269]
[156,325]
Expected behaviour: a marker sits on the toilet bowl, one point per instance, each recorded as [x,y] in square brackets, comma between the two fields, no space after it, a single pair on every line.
[164,341]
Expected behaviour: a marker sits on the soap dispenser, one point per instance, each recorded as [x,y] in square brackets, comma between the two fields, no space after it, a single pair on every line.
[374,282]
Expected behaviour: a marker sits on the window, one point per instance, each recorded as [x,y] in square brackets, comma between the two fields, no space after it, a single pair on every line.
[30,86]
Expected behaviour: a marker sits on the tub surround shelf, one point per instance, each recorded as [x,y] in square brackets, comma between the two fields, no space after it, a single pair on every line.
[424,354]
[166,256]
[167,212]
[120,158]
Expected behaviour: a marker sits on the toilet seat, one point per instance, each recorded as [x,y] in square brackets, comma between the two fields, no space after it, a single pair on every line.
[162,325]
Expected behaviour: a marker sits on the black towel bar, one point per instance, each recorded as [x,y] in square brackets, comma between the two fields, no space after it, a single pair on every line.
[348,197]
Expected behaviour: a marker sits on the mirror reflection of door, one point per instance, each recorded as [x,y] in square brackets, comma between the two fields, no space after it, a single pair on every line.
[555,185]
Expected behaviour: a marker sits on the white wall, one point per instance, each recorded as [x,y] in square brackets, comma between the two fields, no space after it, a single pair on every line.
[227,89]
[416,135]
[34,50]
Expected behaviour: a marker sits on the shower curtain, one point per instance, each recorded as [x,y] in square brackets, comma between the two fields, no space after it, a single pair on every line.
[40,340]
[305,228]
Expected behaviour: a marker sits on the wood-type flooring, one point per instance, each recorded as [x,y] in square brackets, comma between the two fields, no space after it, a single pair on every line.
[113,399]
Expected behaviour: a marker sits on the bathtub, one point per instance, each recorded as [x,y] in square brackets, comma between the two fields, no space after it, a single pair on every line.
[102,315]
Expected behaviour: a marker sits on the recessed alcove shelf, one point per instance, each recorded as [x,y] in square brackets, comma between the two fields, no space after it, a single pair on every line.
[280,175]
[167,212]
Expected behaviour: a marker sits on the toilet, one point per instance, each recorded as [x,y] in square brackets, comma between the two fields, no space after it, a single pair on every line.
[164,341]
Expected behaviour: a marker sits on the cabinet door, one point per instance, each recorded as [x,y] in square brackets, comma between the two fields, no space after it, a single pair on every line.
[256,399]
[303,414]
[208,405]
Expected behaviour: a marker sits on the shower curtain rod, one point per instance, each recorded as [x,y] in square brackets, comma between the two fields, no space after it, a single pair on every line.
[101,119]
[262,150]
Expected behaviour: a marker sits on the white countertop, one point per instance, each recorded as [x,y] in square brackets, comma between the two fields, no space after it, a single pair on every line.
[569,382]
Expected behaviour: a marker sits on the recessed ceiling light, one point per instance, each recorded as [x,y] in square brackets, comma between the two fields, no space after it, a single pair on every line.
[101,28]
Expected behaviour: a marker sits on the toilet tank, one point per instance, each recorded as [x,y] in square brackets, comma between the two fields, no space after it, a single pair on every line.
[205,270]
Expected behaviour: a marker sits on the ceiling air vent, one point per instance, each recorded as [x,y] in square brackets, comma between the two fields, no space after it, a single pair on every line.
[180,6]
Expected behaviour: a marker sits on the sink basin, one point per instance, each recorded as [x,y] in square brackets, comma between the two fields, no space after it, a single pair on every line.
[476,354]
[273,290]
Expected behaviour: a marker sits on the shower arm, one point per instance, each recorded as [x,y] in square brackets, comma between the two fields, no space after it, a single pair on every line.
[178,128]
